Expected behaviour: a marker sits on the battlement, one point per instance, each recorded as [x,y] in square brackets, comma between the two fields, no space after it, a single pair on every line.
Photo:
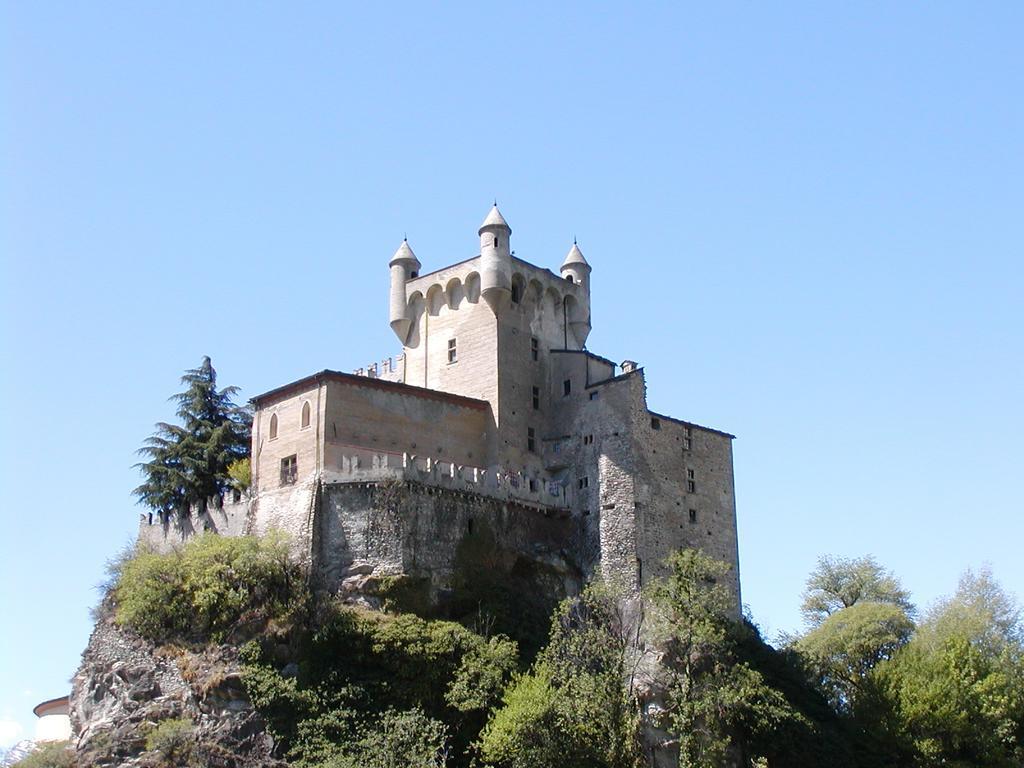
[367,465]
[389,369]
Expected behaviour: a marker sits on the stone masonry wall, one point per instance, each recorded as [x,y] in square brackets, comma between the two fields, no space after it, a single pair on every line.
[164,533]
[393,527]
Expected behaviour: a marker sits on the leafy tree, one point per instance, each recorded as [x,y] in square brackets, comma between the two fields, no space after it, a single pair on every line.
[956,691]
[573,708]
[838,583]
[713,697]
[187,463]
[846,646]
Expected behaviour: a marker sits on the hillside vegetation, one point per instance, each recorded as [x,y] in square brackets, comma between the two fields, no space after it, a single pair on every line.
[337,686]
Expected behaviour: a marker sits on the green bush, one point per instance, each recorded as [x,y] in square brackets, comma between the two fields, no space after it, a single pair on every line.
[407,739]
[173,741]
[573,709]
[207,590]
[51,754]
[358,665]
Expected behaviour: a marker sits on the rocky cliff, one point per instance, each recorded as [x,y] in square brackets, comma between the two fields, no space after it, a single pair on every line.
[126,688]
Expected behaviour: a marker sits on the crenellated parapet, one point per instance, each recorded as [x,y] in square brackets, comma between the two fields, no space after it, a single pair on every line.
[504,485]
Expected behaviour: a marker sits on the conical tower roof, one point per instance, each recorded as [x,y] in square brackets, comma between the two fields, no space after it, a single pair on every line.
[404,253]
[495,219]
[575,256]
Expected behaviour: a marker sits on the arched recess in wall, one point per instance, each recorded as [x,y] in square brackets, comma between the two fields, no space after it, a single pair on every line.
[273,426]
[572,316]
[473,287]
[435,299]
[304,421]
[454,293]
[417,305]
[518,288]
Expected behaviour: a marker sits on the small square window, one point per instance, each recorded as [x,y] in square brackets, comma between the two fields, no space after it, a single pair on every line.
[593,395]
[583,482]
[452,354]
[566,387]
[531,440]
[655,423]
[289,470]
[534,348]
[536,398]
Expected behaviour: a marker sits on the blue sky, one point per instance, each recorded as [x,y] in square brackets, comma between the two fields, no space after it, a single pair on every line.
[804,219]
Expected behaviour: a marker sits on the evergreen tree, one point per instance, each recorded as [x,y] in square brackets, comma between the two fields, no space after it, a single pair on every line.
[187,463]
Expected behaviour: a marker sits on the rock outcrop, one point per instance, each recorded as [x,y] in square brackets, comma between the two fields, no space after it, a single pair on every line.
[126,687]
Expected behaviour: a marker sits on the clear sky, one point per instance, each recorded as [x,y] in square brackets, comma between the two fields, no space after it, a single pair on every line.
[804,220]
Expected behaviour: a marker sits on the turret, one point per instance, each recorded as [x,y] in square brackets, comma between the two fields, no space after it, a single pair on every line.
[576,270]
[404,266]
[495,261]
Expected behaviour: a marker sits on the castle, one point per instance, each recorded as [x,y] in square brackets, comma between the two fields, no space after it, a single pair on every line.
[494,414]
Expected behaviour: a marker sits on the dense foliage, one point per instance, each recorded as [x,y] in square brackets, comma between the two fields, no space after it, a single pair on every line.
[53,754]
[366,680]
[573,708]
[188,463]
[341,687]
[212,588]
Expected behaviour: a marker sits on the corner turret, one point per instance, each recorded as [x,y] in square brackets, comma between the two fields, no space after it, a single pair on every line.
[576,270]
[496,261]
[404,266]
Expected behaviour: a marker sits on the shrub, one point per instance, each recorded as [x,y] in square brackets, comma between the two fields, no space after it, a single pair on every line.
[407,739]
[365,677]
[51,754]
[208,589]
[173,741]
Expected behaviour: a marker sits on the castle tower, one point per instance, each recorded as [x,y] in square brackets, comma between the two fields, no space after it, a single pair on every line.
[576,270]
[495,261]
[404,266]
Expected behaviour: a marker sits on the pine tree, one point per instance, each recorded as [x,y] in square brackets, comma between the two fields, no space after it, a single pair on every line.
[187,463]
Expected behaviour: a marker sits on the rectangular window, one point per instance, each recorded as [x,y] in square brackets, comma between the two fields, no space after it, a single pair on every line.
[655,423]
[593,395]
[583,482]
[289,470]
[536,398]
[531,440]
[693,515]
[533,485]
[691,482]
[452,355]
[566,387]
[534,348]
[588,439]
[687,441]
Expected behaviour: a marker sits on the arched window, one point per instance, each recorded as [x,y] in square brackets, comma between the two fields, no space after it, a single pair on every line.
[305,414]
[273,426]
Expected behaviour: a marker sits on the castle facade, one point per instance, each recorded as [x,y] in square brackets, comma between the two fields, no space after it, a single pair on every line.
[494,414]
